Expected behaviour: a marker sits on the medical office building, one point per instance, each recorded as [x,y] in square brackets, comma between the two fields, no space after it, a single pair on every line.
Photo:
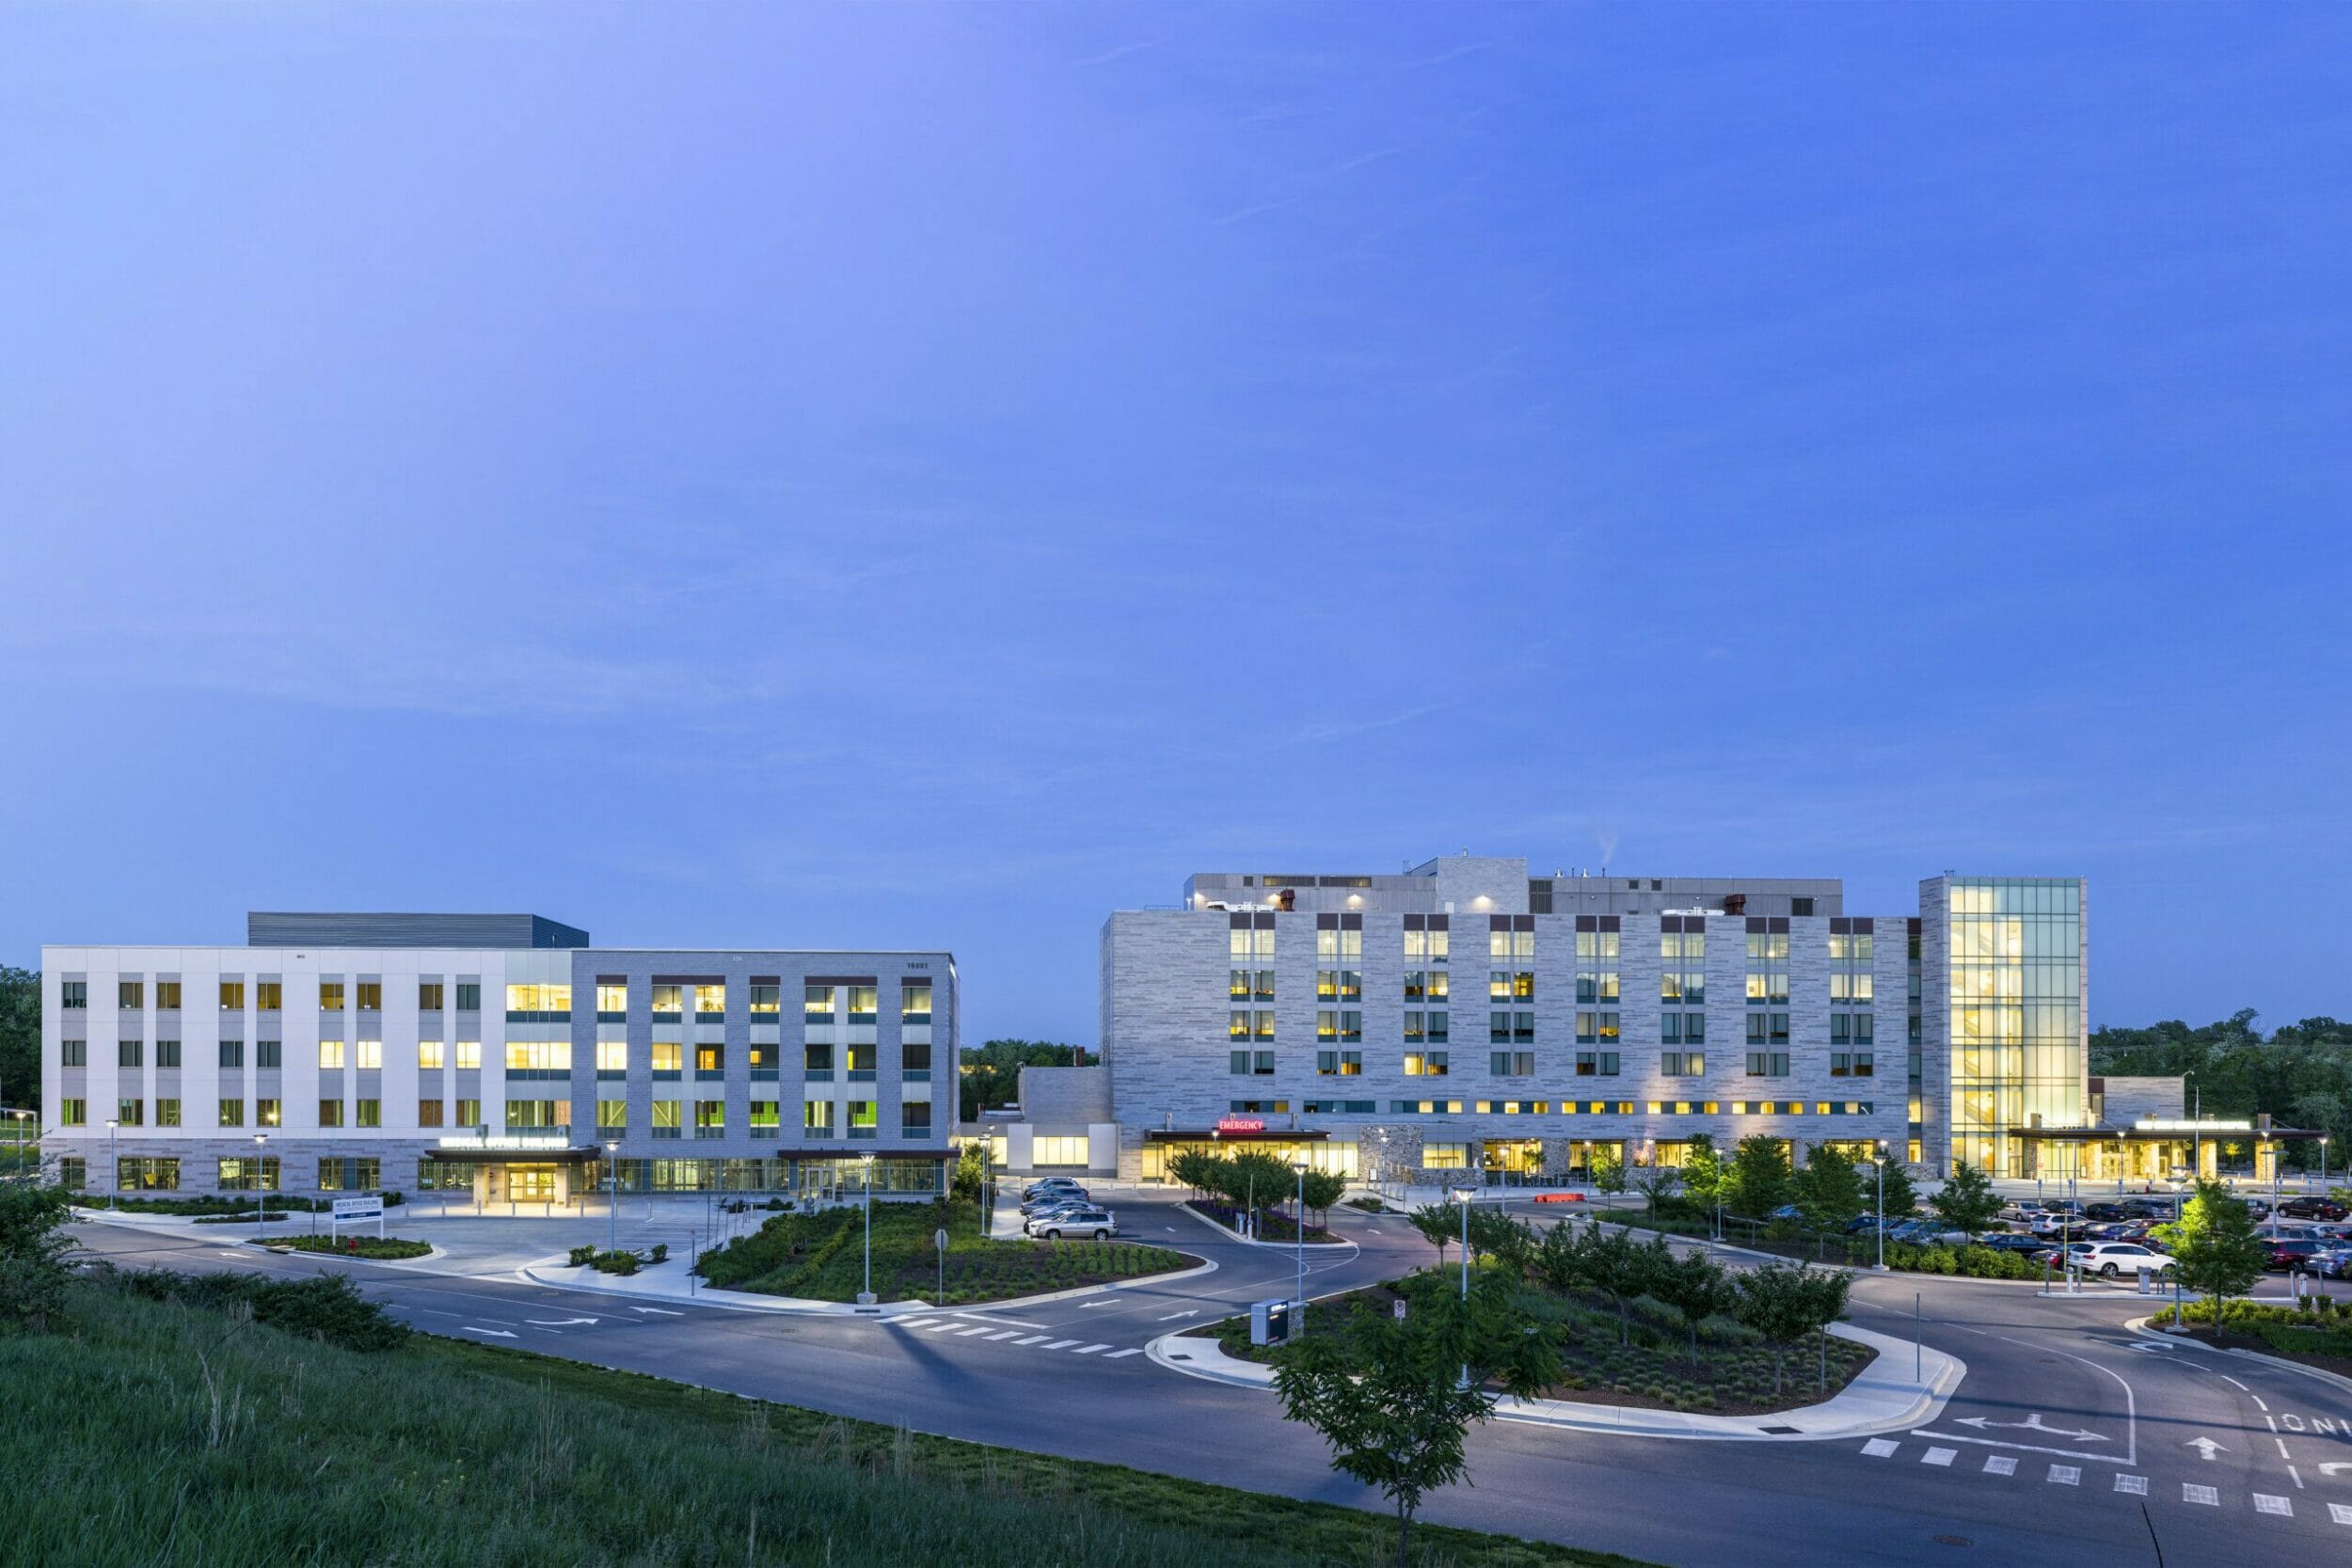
[499,1056]
[1467,1015]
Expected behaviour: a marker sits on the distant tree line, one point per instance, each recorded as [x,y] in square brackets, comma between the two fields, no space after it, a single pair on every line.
[2301,1073]
[991,1073]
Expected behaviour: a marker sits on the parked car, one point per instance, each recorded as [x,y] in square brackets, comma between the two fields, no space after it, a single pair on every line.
[2107,1214]
[2013,1240]
[2109,1259]
[1049,1207]
[1055,1194]
[1051,1184]
[2333,1262]
[1786,1211]
[2313,1209]
[2293,1253]
[1099,1224]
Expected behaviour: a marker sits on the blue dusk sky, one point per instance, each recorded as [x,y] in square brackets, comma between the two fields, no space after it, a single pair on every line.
[926,476]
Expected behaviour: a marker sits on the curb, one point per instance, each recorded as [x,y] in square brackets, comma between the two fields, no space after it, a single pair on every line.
[732,1301]
[413,1264]
[2140,1326]
[1202,1358]
[1279,1246]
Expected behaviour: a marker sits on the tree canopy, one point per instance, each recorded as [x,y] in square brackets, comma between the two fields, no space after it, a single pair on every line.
[2216,1248]
[990,1074]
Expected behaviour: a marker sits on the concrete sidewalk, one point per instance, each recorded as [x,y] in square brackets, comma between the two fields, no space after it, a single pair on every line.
[1883,1399]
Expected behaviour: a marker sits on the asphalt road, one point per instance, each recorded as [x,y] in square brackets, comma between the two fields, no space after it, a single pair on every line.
[2071,1440]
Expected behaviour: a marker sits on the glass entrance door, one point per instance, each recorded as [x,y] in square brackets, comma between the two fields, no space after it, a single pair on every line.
[530,1184]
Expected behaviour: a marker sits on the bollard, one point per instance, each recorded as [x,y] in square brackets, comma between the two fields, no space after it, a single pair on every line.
[2143,1279]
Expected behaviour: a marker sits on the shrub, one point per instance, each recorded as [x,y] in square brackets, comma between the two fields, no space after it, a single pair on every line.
[581,1257]
[661,1250]
[326,1307]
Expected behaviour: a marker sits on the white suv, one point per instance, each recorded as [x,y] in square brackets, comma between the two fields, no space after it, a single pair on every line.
[2110,1259]
[1054,1224]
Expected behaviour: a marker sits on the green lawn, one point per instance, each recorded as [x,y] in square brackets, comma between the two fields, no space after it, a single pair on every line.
[821,1257]
[155,1433]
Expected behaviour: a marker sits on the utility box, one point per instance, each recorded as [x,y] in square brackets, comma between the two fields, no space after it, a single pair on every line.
[1270,1323]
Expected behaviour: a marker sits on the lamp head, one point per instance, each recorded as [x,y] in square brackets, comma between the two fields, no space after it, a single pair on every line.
[1464,1194]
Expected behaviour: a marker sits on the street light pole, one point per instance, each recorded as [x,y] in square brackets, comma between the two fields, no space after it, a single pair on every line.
[612,1195]
[114,1183]
[1882,1230]
[1299,1292]
[261,1205]
[866,1167]
[1463,1196]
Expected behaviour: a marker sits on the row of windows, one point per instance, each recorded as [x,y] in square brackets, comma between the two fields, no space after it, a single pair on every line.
[1565,1107]
[710,1115]
[914,997]
[529,1056]
[1594,1026]
[1587,1064]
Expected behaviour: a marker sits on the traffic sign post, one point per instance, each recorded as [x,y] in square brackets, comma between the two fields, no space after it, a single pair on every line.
[939,1245]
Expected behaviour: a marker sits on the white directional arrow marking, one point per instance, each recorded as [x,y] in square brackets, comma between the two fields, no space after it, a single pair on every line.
[1187,1312]
[2206,1447]
[663,1310]
[493,1333]
[557,1323]
[2333,1466]
[1085,1305]
[2031,1423]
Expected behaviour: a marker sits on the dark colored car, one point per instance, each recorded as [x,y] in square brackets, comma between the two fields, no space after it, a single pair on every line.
[2015,1241]
[2313,1209]
[2107,1214]
[2290,1252]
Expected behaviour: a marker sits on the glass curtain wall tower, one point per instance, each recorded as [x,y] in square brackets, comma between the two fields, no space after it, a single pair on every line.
[2008,957]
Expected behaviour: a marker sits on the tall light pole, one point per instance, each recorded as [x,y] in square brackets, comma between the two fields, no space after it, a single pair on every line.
[114,1182]
[866,1166]
[2195,1132]
[1299,1292]
[261,1205]
[1463,1196]
[1881,1164]
[612,1195]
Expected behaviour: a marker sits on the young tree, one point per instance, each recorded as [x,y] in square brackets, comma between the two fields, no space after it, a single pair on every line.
[1390,1398]
[1655,1183]
[32,1253]
[1439,1223]
[1757,1182]
[1967,1203]
[1696,1287]
[1784,1302]
[1508,1242]
[1620,1268]
[1608,1172]
[1324,1188]
[1559,1260]
[1829,1190]
[2217,1250]
[1702,1170]
[1900,1197]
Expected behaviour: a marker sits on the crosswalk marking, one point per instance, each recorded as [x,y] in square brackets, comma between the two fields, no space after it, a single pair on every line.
[2192,1493]
[943,1322]
[1061,1344]
[1131,1350]
[1007,1334]
[1879,1447]
[1089,1350]
[2000,1465]
[910,1322]
[2135,1485]
[1939,1456]
[2266,1503]
[2066,1475]
[1032,1339]
[967,1333]
[2340,1512]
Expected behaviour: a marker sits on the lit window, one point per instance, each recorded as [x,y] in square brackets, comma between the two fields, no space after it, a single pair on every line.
[430,1053]
[331,1054]
[469,1053]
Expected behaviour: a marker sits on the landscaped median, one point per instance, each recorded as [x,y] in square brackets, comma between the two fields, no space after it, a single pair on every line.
[822,1256]
[2318,1332]
[380,1248]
